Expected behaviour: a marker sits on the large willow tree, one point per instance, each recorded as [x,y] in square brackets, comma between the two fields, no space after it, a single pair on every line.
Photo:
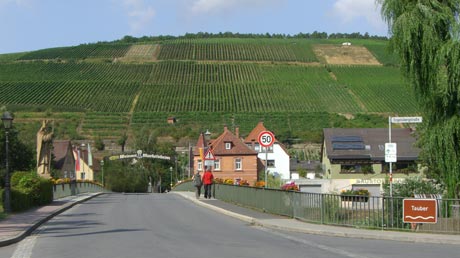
[425,35]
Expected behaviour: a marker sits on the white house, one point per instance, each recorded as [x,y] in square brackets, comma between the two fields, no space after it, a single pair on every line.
[276,158]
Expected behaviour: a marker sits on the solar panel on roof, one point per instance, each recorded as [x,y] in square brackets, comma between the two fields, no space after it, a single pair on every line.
[348,146]
[347,138]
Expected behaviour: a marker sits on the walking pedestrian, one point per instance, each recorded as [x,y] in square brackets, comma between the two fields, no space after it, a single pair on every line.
[207,181]
[197,183]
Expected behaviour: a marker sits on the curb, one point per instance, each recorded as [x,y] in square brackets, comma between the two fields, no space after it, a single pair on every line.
[38,223]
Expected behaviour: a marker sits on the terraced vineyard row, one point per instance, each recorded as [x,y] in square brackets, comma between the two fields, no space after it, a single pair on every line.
[237,50]
[188,86]
[105,124]
[100,96]
[380,89]
[79,52]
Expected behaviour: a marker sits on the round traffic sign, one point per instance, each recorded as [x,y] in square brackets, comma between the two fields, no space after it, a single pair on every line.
[266,139]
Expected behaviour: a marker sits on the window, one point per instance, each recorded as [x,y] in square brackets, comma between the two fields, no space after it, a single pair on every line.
[217,164]
[82,175]
[257,147]
[238,164]
[228,145]
[271,163]
[200,165]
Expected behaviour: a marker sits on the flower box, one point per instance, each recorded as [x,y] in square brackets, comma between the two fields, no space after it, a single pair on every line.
[346,198]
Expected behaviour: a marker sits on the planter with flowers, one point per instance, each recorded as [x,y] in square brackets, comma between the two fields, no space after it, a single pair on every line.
[290,187]
[358,195]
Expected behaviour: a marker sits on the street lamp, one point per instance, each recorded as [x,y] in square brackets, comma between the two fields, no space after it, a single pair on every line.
[170,171]
[102,169]
[7,123]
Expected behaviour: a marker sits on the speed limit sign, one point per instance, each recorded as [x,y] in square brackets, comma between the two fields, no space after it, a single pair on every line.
[266,139]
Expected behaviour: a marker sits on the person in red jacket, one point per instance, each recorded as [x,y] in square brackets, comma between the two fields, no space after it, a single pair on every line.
[207,182]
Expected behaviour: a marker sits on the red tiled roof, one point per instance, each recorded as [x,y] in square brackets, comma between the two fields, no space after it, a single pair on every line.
[237,146]
[60,148]
[254,134]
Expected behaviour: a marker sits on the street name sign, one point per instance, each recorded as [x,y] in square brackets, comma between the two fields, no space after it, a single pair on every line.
[406,120]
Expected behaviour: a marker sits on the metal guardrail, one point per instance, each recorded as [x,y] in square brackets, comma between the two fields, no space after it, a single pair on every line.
[353,211]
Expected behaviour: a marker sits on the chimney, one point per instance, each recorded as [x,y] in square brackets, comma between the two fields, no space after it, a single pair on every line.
[237,132]
[207,135]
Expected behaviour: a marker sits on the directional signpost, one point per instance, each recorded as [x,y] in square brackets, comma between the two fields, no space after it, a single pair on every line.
[390,148]
[266,139]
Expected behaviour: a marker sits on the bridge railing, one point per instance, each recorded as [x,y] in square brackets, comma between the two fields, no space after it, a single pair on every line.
[375,212]
[68,189]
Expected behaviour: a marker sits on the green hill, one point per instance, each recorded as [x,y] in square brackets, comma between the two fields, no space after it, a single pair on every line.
[296,86]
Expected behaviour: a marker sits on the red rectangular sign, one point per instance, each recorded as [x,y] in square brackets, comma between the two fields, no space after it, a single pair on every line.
[420,210]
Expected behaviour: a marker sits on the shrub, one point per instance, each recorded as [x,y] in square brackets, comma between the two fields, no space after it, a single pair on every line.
[29,190]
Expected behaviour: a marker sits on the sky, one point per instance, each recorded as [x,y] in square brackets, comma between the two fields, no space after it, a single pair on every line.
[27,25]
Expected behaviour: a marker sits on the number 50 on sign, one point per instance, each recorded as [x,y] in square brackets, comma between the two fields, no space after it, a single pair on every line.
[266,139]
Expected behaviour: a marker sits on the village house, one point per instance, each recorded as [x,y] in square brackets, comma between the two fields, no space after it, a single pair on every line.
[233,159]
[276,157]
[85,163]
[353,158]
[64,161]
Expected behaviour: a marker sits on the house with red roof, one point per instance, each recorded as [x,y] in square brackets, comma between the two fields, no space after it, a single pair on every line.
[232,158]
[64,161]
[276,157]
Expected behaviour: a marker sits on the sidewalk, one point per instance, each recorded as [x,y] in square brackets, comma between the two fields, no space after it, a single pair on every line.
[289,224]
[18,226]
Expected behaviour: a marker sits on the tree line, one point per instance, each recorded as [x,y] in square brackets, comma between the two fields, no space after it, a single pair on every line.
[202,35]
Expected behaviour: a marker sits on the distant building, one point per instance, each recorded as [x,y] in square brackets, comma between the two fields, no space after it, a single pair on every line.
[233,159]
[356,157]
[64,161]
[277,158]
[171,120]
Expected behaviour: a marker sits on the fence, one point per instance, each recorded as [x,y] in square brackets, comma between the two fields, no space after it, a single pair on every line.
[63,190]
[354,211]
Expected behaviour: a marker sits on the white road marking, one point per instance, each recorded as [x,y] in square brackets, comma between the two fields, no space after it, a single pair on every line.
[24,249]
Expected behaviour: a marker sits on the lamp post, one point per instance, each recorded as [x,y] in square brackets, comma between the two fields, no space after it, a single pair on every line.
[102,169]
[170,180]
[7,123]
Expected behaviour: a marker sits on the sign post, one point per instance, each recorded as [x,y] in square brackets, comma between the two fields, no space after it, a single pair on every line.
[390,148]
[266,139]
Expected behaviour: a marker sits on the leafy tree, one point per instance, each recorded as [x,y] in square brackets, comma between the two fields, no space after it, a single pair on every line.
[99,143]
[20,156]
[425,35]
[122,141]
[413,185]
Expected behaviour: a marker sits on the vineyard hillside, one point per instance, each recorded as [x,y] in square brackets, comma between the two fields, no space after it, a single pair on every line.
[296,86]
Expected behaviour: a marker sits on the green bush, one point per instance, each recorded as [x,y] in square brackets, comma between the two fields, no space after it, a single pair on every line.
[29,190]
[21,199]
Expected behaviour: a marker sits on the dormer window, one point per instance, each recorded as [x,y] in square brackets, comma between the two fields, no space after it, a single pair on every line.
[228,145]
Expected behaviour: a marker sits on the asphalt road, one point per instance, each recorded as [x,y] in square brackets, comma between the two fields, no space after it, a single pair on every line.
[167,225]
